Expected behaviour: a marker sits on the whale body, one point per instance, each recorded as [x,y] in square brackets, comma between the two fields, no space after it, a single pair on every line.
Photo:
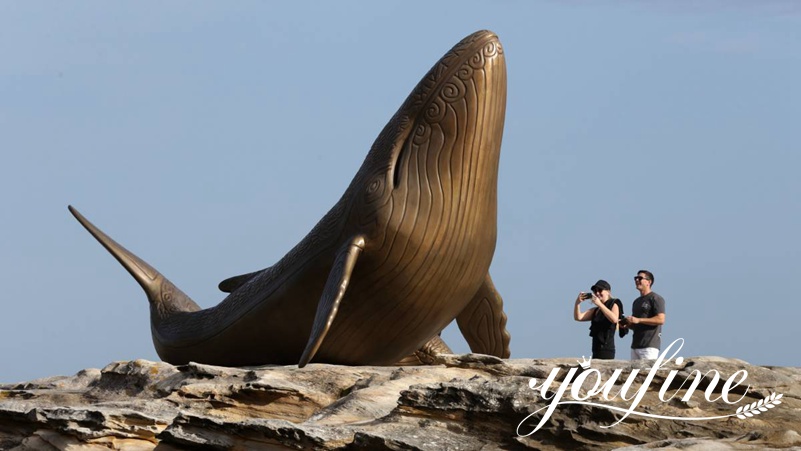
[404,252]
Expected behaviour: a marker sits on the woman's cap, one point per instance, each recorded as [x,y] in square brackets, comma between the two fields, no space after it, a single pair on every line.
[601,285]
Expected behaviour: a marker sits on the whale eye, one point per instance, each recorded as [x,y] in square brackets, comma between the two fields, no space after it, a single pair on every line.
[373,187]
[374,190]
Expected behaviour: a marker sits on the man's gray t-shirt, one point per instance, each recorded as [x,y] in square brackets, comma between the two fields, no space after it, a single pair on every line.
[647,306]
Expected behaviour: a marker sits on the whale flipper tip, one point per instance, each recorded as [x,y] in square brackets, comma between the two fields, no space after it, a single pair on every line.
[334,291]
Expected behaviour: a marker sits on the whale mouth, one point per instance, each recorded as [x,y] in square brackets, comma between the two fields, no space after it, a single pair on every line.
[475,64]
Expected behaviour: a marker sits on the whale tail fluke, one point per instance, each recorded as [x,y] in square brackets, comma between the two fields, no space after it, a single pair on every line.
[162,294]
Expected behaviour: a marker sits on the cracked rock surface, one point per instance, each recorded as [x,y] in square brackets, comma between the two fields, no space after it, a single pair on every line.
[464,402]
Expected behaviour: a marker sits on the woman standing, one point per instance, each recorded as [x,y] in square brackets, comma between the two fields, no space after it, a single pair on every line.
[604,317]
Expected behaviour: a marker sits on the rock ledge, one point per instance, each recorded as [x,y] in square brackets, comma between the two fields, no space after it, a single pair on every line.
[466,402]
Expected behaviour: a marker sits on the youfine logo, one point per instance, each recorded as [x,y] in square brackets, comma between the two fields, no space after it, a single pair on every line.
[601,391]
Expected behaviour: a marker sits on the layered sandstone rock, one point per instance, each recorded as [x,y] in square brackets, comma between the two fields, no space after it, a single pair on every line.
[467,402]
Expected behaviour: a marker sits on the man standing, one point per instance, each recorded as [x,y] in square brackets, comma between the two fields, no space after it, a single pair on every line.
[647,318]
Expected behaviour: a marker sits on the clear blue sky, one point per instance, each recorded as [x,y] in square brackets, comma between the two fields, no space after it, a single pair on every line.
[209,138]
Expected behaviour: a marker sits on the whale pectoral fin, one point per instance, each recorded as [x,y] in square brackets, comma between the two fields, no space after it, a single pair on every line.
[334,291]
[232,283]
[483,322]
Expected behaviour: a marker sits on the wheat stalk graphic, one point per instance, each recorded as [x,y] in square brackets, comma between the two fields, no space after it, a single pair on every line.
[757,407]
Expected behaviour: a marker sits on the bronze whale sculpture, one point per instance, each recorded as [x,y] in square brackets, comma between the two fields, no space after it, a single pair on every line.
[405,251]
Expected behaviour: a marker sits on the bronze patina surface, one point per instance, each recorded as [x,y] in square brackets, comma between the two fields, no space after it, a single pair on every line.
[404,252]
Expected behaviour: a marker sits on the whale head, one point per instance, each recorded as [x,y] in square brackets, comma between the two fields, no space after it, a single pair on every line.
[438,156]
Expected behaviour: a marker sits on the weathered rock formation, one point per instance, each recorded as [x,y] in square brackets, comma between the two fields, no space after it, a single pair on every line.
[466,402]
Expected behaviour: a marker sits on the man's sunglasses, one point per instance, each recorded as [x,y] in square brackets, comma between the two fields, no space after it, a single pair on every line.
[639,278]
